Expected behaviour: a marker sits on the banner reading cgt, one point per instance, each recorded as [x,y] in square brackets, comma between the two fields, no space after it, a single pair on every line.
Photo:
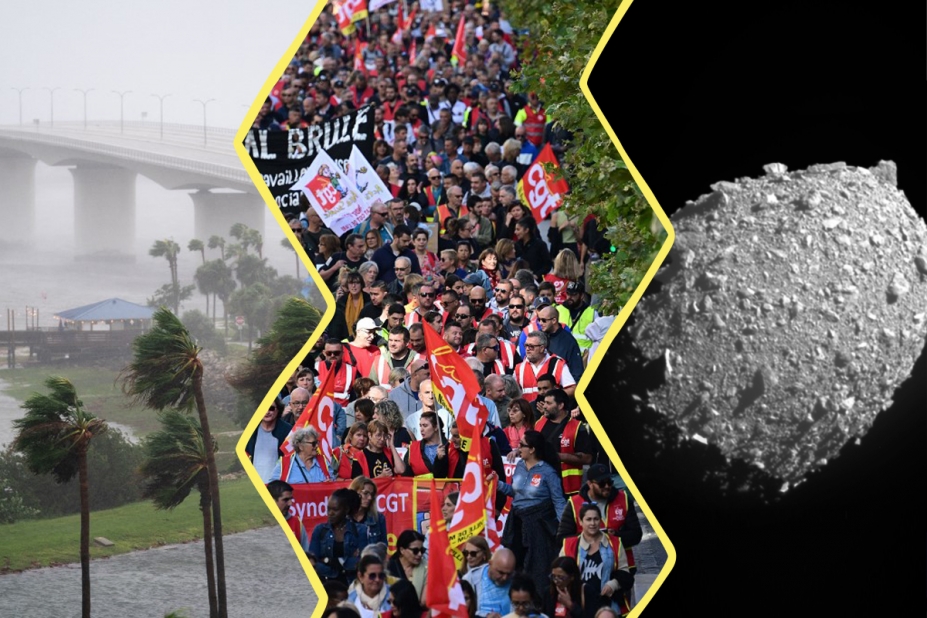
[283,157]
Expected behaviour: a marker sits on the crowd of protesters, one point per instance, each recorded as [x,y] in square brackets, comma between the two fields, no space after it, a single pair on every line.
[457,252]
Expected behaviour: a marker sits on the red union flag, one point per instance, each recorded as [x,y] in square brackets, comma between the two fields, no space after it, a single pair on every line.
[443,594]
[491,531]
[359,56]
[538,189]
[455,387]
[460,47]
[348,13]
[470,513]
[320,414]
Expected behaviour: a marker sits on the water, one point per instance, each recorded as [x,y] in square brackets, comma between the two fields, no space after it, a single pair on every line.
[263,578]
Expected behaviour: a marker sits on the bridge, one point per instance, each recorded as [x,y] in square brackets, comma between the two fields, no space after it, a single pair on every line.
[49,343]
[105,158]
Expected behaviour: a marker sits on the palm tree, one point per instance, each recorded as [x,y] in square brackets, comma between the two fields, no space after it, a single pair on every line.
[217,241]
[169,250]
[167,373]
[54,436]
[176,462]
[286,244]
[197,245]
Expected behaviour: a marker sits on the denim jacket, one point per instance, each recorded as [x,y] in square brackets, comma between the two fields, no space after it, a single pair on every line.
[322,547]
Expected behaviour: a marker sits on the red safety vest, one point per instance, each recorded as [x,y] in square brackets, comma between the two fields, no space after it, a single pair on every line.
[571,474]
[346,465]
[614,516]
[528,379]
[344,379]
[534,124]
[507,354]
[443,212]
[383,367]
[571,550]
[417,460]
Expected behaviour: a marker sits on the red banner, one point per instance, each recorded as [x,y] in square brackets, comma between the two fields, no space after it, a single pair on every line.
[460,47]
[402,500]
[538,189]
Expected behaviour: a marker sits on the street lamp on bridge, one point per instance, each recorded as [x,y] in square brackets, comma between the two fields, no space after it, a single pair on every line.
[20,91]
[84,92]
[51,93]
[122,100]
[204,104]
[161,103]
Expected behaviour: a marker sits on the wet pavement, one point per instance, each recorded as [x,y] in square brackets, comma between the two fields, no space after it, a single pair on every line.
[263,576]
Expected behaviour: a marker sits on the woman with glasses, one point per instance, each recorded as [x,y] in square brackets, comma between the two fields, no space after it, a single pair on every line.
[537,502]
[565,597]
[602,563]
[306,464]
[368,514]
[408,562]
[476,553]
[370,593]
[348,307]
[379,458]
[337,543]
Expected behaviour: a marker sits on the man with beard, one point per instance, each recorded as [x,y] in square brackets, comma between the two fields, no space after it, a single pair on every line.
[426,302]
[387,256]
[539,362]
[352,258]
[516,321]
[560,341]
[396,354]
[567,438]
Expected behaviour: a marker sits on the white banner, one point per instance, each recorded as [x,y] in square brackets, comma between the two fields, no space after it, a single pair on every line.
[376,5]
[333,195]
[365,177]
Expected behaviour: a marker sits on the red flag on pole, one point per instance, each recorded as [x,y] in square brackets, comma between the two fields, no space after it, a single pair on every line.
[455,387]
[359,56]
[320,414]
[538,189]
[491,530]
[460,47]
[470,512]
[443,594]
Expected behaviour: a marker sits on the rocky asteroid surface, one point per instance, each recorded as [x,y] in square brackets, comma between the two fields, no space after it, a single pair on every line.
[791,308]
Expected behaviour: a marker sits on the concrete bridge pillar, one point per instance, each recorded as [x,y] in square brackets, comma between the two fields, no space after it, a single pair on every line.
[17,196]
[104,210]
[216,213]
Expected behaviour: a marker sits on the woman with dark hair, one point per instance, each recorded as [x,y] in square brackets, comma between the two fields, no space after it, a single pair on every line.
[537,503]
[521,419]
[488,263]
[469,597]
[368,514]
[448,505]
[430,456]
[566,589]
[408,562]
[336,544]
[505,250]
[516,213]
[379,457]
[348,308]
[602,562]
[381,150]
[368,593]
[404,601]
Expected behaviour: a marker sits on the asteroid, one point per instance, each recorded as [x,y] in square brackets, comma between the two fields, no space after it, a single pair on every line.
[810,348]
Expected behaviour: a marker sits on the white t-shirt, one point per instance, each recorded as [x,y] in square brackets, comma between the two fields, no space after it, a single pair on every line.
[265,454]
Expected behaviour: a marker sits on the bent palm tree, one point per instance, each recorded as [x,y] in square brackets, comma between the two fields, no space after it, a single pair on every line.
[167,373]
[54,436]
[176,462]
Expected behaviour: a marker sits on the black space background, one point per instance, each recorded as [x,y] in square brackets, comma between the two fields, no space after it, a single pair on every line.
[701,92]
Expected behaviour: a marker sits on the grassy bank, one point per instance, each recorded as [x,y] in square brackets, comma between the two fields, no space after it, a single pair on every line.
[102,396]
[39,543]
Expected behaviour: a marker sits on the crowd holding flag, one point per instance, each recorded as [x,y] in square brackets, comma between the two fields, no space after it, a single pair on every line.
[538,189]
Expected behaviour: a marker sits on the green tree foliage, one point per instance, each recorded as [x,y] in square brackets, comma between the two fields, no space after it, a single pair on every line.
[176,462]
[171,295]
[256,304]
[167,373]
[54,436]
[554,55]
[112,463]
[291,329]
[202,329]
[217,242]
[197,245]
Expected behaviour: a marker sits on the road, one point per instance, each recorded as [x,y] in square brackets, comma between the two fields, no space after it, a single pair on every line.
[263,576]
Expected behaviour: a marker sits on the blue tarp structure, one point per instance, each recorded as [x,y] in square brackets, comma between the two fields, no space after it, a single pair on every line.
[107,311]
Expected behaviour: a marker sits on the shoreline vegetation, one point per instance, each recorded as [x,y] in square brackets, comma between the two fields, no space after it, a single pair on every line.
[37,543]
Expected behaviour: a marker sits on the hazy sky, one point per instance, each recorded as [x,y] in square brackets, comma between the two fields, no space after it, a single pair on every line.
[191,49]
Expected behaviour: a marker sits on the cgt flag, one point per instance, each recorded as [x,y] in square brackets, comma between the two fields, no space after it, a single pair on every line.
[538,189]
[491,531]
[459,52]
[443,594]
[455,387]
[333,194]
[470,513]
[349,13]
[320,414]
